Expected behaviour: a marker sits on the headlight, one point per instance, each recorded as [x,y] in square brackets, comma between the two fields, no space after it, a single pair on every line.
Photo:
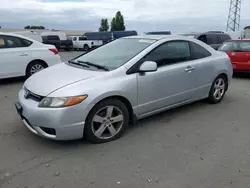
[57,102]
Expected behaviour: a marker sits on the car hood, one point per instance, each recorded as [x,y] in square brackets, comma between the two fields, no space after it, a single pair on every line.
[57,76]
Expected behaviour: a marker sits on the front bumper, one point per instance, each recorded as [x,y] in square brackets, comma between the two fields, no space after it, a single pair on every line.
[51,123]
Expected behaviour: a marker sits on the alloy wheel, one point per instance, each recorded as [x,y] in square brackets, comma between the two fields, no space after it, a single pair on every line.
[219,88]
[35,68]
[107,122]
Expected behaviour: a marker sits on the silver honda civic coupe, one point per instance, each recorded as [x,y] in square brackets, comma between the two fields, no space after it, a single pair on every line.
[98,94]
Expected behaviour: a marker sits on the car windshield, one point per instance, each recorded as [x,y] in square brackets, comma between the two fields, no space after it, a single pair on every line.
[116,53]
[235,46]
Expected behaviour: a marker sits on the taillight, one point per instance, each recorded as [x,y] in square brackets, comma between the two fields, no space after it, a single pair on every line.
[54,50]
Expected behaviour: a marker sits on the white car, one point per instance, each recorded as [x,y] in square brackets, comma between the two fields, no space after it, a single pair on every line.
[22,56]
[81,43]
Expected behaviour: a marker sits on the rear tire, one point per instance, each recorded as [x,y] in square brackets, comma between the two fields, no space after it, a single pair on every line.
[218,89]
[106,122]
[35,67]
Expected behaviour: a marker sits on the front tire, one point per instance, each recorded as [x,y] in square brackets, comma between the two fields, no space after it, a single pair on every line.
[106,122]
[218,89]
[35,67]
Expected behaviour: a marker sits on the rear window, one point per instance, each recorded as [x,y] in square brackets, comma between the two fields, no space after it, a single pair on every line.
[53,37]
[235,46]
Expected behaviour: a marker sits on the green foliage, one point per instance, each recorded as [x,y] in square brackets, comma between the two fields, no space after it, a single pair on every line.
[104,25]
[117,23]
[34,27]
[247,27]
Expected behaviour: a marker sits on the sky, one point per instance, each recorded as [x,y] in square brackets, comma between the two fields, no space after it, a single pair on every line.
[141,15]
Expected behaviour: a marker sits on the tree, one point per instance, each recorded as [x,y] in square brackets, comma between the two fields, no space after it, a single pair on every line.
[34,27]
[247,27]
[104,25]
[117,23]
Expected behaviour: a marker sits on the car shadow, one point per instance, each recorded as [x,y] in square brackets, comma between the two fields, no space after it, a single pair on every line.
[8,81]
[167,116]
[241,75]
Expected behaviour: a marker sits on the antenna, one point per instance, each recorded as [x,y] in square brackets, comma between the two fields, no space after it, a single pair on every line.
[233,21]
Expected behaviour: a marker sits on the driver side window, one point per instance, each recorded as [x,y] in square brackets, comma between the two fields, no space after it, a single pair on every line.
[170,53]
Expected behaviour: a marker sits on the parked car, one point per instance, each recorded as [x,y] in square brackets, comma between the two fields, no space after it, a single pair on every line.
[104,92]
[104,37]
[212,38]
[22,56]
[99,38]
[120,34]
[53,40]
[66,45]
[80,42]
[239,53]
[57,42]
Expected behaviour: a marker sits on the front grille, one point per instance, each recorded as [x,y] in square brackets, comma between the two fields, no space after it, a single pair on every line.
[30,95]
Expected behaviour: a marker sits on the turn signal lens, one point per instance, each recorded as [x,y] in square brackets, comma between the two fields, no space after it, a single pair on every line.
[74,100]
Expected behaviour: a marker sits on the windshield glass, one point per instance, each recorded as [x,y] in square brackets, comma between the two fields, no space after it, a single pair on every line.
[116,53]
[234,46]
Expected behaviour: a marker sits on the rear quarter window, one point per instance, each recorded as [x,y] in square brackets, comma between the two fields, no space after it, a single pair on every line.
[53,37]
[198,52]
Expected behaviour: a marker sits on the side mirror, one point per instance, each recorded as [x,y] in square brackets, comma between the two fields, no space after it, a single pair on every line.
[148,66]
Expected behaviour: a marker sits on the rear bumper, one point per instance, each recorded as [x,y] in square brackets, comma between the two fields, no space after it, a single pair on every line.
[241,67]
[241,71]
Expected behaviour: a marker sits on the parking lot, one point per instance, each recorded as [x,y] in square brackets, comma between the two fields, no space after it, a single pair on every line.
[199,145]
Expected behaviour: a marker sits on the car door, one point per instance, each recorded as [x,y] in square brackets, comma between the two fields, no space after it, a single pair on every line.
[14,53]
[202,76]
[75,43]
[170,84]
[81,42]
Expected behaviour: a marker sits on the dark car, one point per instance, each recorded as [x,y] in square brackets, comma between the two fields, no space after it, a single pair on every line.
[107,36]
[53,40]
[120,34]
[159,33]
[212,38]
[59,44]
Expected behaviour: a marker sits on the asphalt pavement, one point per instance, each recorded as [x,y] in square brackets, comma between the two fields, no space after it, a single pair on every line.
[195,146]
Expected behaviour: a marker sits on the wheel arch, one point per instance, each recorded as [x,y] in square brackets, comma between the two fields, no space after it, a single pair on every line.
[123,99]
[35,60]
[224,74]
[86,45]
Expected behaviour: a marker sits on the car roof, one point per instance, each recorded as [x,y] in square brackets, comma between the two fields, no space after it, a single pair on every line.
[238,40]
[203,33]
[16,35]
[156,37]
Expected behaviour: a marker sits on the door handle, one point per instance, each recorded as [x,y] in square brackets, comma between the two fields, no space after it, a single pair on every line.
[23,54]
[189,69]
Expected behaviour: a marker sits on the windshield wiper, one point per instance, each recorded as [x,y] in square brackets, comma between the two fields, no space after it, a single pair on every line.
[94,65]
[76,63]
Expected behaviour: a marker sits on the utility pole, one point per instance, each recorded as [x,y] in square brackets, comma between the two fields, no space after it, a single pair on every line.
[233,21]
